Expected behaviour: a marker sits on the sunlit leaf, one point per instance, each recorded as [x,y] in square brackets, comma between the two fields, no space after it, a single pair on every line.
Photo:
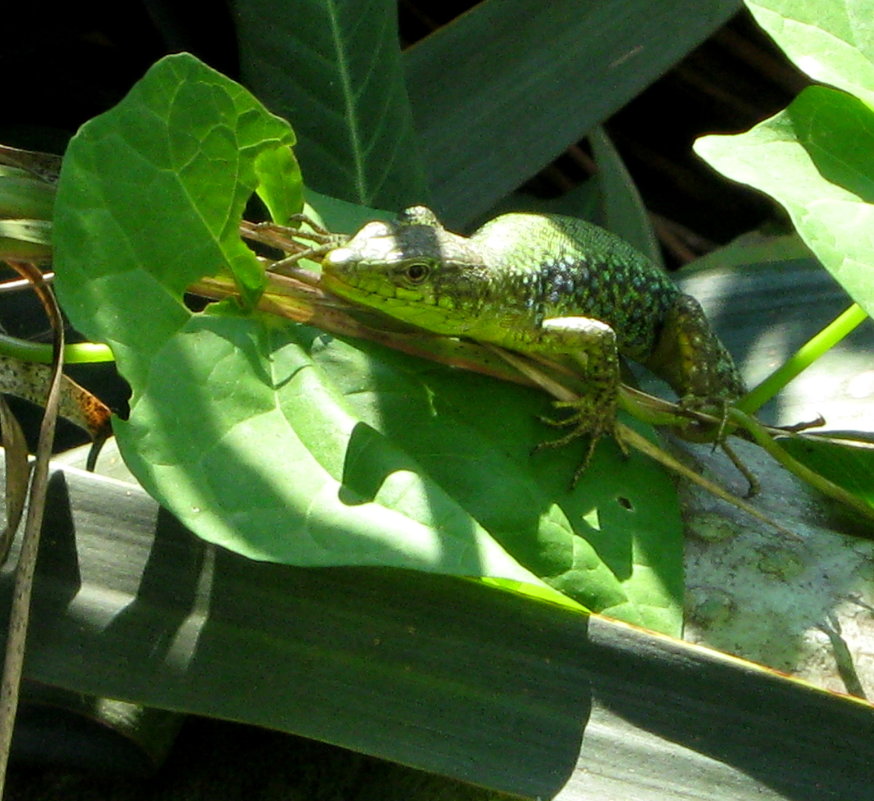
[815,158]
[831,40]
[287,445]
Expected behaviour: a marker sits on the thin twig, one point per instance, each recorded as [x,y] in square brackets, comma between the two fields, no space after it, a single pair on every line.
[17,285]
[628,436]
[642,444]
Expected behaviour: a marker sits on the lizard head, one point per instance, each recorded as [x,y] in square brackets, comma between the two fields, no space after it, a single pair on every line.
[412,269]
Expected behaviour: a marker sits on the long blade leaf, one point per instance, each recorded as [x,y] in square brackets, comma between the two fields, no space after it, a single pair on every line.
[507,87]
[442,674]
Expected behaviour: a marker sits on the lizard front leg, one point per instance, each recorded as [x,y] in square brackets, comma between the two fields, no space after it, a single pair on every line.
[591,344]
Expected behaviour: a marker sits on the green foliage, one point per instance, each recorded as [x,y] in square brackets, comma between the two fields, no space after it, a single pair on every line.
[307,450]
[334,69]
[623,209]
[187,140]
[285,445]
[424,670]
[843,462]
[815,156]
[25,211]
[831,40]
[505,89]
[276,460]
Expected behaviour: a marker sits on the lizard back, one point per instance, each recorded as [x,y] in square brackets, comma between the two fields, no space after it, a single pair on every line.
[553,266]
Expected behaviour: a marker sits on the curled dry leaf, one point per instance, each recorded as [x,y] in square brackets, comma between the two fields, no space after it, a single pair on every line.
[30,381]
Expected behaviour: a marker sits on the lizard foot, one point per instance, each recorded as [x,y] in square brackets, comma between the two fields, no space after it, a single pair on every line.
[699,430]
[702,432]
[589,418]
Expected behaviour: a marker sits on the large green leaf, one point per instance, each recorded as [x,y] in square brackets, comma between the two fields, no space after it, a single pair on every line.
[831,40]
[185,150]
[846,460]
[287,445]
[437,673]
[505,88]
[815,158]
[333,67]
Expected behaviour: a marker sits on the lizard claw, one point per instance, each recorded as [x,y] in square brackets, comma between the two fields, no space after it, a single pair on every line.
[591,417]
[699,431]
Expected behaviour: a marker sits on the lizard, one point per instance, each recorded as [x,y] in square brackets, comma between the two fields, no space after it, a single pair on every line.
[541,285]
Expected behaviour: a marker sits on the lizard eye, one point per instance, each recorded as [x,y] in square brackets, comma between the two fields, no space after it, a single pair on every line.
[416,272]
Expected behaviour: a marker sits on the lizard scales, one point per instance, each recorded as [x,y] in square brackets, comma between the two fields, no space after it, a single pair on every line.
[537,283]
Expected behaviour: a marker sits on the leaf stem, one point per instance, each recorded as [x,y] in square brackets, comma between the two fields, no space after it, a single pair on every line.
[79,353]
[641,443]
[808,353]
[767,442]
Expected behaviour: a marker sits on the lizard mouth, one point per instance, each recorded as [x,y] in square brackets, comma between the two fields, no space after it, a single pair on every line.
[337,285]
[334,283]
[371,304]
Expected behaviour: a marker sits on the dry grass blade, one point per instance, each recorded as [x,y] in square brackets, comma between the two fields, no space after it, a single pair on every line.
[20,611]
[299,298]
[17,475]
[45,166]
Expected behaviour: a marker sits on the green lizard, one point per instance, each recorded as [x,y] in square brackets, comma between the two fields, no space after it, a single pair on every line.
[541,285]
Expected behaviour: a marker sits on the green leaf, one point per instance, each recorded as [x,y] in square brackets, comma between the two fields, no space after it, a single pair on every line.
[26,240]
[613,544]
[340,215]
[90,732]
[508,86]
[847,460]
[427,671]
[27,195]
[181,153]
[23,195]
[35,232]
[831,40]
[815,158]
[624,212]
[279,183]
[334,69]
[753,247]
[287,445]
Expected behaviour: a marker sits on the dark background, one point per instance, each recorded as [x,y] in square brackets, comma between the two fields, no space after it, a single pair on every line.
[66,65]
